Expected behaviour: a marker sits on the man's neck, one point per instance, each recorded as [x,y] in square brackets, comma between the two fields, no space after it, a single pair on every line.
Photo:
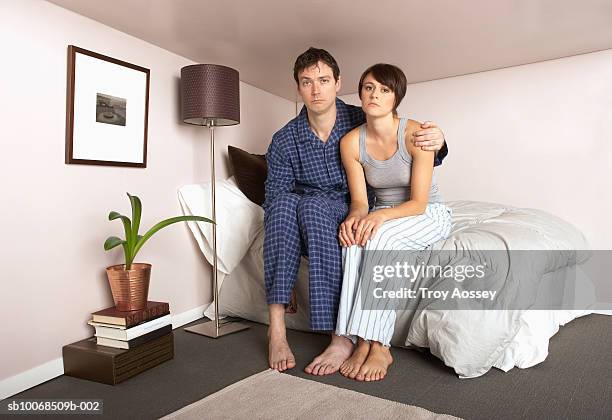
[322,124]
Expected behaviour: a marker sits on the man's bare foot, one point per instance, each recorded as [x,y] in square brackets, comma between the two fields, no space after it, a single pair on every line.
[375,366]
[351,366]
[334,355]
[280,356]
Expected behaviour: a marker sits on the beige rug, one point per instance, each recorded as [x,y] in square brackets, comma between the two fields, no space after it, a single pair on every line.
[269,394]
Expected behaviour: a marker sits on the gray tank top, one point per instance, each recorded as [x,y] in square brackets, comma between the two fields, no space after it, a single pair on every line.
[390,179]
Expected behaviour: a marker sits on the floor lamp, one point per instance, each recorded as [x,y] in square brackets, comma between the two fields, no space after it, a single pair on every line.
[210,96]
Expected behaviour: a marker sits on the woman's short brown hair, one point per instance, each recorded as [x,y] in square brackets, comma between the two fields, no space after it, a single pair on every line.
[389,75]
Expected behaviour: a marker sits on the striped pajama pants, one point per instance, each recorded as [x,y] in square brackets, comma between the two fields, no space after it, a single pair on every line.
[414,233]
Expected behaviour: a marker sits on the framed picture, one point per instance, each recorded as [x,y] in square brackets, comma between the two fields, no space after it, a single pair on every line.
[107,110]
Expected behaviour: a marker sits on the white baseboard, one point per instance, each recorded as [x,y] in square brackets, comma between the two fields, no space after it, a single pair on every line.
[603,312]
[54,368]
[30,378]
[188,316]
[602,308]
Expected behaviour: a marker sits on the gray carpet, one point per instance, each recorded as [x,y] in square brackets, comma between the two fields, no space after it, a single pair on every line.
[574,382]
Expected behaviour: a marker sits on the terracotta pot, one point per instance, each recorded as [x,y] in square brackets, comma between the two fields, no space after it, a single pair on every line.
[130,288]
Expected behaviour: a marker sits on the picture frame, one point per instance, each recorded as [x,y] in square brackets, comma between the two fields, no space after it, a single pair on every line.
[107,110]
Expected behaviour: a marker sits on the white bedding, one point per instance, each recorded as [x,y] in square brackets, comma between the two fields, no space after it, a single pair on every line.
[470,342]
[239,221]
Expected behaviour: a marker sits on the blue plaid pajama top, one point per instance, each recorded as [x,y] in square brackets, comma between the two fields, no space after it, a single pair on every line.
[298,161]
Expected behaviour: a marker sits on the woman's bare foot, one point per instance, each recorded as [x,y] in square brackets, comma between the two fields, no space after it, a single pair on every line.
[334,355]
[375,366]
[280,356]
[351,366]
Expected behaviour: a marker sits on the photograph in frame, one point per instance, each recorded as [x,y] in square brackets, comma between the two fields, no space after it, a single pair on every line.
[107,110]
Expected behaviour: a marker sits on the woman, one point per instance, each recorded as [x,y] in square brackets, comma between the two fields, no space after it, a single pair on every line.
[408,212]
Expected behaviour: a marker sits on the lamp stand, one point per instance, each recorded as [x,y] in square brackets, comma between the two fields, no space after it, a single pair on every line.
[212,328]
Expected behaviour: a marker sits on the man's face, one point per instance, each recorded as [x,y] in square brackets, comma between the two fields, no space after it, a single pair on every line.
[318,88]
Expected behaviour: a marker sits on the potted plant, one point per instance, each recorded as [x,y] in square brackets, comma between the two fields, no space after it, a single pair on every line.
[129,282]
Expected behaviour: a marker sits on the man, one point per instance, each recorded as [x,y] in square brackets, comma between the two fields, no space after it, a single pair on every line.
[306,200]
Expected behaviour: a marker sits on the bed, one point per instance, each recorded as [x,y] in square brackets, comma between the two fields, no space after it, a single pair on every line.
[469,341]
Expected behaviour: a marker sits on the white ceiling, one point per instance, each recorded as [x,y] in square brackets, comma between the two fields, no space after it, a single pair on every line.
[427,39]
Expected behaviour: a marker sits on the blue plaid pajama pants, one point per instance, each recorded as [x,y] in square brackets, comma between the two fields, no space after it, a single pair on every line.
[297,225]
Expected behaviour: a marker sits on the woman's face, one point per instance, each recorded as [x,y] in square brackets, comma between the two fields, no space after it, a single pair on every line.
[376,99]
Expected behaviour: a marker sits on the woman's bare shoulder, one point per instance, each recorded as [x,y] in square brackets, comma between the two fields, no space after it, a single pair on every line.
[351,135]
[412,126]
[351,138]
[349,144]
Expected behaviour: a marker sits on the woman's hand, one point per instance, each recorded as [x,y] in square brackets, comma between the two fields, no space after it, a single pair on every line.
[368,226]
[347,230]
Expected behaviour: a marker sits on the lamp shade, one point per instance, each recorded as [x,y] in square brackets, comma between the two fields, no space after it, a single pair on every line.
[210,93]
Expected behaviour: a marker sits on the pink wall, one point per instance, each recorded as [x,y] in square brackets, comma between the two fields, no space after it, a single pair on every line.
[55,215]
[534,136]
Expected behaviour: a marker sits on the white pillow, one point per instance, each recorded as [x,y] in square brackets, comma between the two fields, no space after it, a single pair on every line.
[239,220]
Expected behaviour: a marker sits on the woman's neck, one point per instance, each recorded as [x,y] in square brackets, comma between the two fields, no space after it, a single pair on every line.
[382,128]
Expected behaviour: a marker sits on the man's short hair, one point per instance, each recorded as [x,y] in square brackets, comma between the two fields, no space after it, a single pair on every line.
[312,56]
[389,75]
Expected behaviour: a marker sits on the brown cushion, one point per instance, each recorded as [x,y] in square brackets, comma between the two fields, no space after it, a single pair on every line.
[250,172]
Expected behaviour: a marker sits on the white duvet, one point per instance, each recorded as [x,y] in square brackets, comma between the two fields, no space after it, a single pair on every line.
[470,342]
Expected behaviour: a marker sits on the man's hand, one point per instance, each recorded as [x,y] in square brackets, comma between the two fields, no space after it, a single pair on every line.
[429,137]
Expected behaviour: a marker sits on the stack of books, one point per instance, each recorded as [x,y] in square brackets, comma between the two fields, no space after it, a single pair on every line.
[126,343]
[127,330]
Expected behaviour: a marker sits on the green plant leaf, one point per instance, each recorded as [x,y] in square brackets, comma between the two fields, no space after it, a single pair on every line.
[111,242]
[165,223]
[127,227]
[136,213]
[126,254]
